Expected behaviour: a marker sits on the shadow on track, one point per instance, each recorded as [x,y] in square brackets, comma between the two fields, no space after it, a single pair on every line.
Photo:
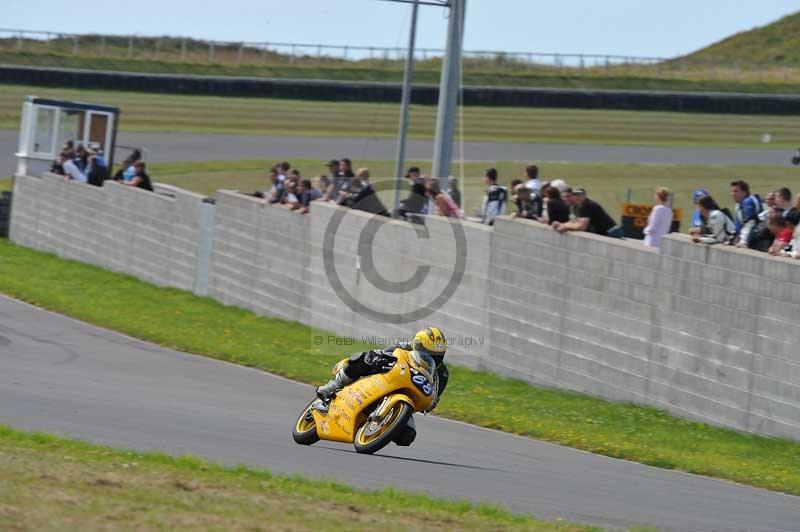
[419,460]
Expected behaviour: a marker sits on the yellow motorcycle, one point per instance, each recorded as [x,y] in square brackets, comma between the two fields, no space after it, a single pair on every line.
[375,410]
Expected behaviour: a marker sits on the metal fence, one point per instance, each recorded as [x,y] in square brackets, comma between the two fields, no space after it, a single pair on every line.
[189,50]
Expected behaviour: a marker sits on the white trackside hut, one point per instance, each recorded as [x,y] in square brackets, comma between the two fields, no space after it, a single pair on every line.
[47,124]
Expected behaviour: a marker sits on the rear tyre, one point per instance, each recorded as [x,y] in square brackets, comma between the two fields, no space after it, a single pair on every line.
[305,430]
[374,435]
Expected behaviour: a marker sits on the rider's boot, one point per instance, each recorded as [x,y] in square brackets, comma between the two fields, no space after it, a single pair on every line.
[326,392]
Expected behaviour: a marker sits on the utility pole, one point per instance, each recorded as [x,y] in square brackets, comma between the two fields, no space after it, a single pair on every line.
[448,94]
[403,133]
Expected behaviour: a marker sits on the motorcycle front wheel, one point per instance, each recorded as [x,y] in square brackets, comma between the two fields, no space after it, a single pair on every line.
[376,434]
[305,430]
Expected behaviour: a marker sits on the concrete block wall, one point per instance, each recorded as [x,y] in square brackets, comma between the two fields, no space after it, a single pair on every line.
[704,332]
[151,236]
[259,257]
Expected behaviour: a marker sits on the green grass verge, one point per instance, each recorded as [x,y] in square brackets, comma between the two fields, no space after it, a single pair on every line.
[606,182]
[52,483]
[183,321]
[262,116]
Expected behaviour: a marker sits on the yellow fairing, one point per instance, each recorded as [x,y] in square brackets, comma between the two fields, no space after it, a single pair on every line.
[348,411]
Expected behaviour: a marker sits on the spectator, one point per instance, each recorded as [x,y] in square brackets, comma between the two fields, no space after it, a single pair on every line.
[71,170]
[96,173]
[81,158]
[717,227]
[101,160]
[362,197]
[290,198]
[590,216]
[413,175]
[455,193]
[140,177]
[321,183]
[283,169]
[333,167]
[697,218]
[747,210]
[761,238]
[415,204]
[307,195]
[494,199]
[69,148]
[532,174]
[294,174]
[278,190]
[57,167]
[346,168]
[783,232]
[783,200]
[557,209]
[127,170]
[444,203]
[659,223]
[527,202]
[363,174]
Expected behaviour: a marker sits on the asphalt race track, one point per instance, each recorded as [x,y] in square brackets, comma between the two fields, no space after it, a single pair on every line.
[63,376]
[197,147]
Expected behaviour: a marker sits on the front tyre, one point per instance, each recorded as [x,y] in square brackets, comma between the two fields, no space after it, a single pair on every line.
[375,434]
[305,430]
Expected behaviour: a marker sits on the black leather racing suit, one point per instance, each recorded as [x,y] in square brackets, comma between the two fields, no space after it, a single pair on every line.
[381,360]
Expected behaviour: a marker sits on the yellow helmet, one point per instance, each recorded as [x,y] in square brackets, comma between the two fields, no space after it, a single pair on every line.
[431,340]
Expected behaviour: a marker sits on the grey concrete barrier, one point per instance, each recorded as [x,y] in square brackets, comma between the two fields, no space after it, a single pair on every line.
[708,333]
[701,102]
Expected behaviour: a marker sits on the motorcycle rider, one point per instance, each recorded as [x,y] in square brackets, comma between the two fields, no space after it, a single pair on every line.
[429,340]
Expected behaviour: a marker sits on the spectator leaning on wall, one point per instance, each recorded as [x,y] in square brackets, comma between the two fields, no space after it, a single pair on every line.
[590,216]
[659,223]
[140,178]
[717,228]
[528,203]
[71,170]
[554,208]
[494,199]
[454,192]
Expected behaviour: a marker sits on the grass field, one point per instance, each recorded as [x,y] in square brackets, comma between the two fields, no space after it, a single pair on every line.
[606,183]
[50,483]
[182,321]
[257,116]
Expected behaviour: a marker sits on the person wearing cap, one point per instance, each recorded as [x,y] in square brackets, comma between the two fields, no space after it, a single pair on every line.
[591,216]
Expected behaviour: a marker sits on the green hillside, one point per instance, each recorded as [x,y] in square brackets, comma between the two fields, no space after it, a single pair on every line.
[777,42]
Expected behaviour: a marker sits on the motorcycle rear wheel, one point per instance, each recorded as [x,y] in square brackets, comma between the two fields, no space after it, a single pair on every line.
[373,436]
[305,430]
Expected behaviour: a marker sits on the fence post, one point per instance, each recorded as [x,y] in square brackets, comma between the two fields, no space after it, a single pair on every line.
[183,50]
[344,53]
[293,53]
[608,66]
[19,41]
[266,51]
[211,51]
[102,46]
[239,53]
[581,61]
[158,49]
[74,45]
[130,47]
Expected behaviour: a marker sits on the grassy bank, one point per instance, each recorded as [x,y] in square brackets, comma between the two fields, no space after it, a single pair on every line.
[263,116]
[607,183]
[199,325]
[50,483]
[731,75]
